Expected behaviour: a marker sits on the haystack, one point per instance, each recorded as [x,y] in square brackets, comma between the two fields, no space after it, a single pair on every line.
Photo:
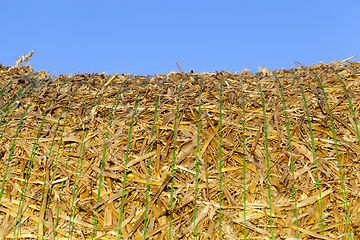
[266,155]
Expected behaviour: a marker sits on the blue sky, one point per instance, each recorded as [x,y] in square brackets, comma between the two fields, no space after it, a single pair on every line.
[148,37]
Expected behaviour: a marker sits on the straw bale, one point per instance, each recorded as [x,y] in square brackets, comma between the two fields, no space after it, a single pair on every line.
[75,153]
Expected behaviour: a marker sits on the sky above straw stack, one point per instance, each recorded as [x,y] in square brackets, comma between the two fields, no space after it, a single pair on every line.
[148,37]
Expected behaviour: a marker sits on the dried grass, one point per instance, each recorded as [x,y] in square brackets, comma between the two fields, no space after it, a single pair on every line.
[53,184]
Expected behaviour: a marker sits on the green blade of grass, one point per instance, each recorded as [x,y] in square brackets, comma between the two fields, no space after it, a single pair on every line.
[220,155]
[291,153]
[174,158]
[267,157]
[244,149]
[346,206]
[197,159]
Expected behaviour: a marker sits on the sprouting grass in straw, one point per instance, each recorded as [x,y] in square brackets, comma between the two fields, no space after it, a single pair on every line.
[28,172]
[267,157]
[244,149]
[82,152]
[137,100]
[103,160]
[220,155]
[67,108]
[79,165]
[174,158]
[150,159]
[3,91]
[317,182]
[21,94]
[45,194]
[346,206]
[350,102]
[81,157]
[291,153]
[12,103]
[197,159]
[11,151]
[351,107]
[16,99]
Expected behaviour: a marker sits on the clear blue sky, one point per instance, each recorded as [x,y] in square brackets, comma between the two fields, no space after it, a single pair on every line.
[148,37]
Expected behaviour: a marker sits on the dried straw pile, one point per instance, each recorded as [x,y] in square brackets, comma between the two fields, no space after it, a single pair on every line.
[63,137]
